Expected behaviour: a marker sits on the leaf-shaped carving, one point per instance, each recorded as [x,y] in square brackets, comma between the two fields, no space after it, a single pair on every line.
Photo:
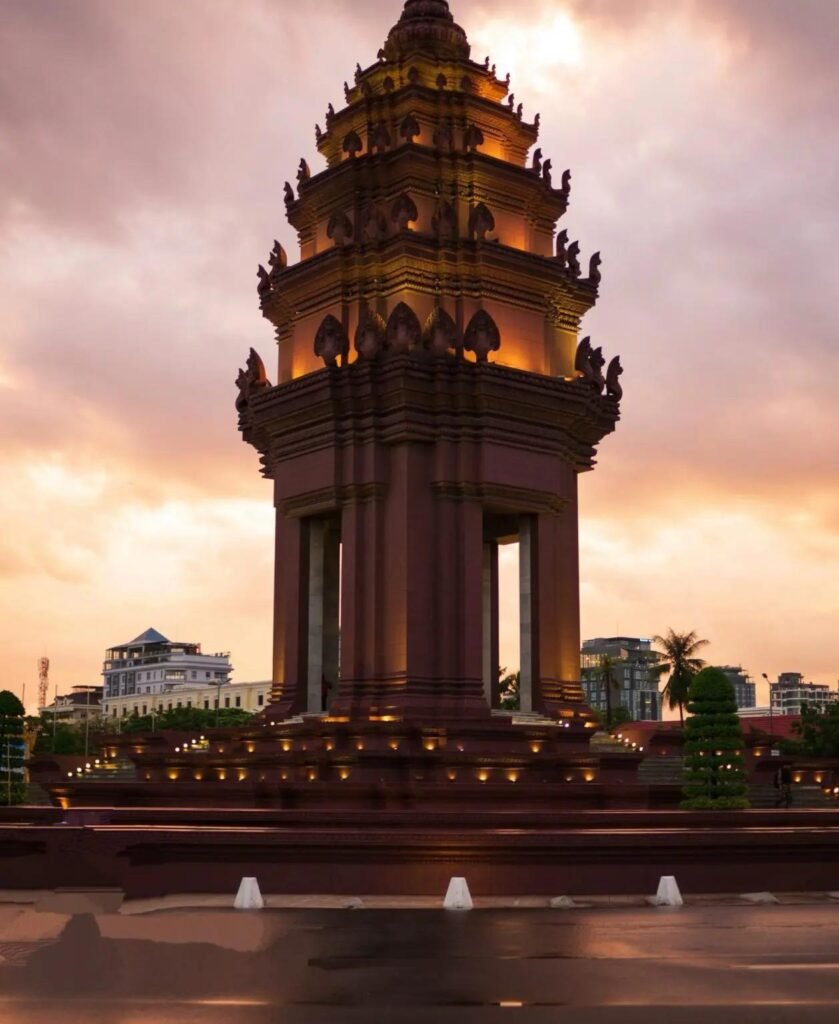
[339,228]
[439,336]
[482,336]
[353,144]
[444,136]
[331,341]
[473,137]
[409,129]
[403,212]
[379,139]
[444,221]
[403,330]
[372,224]
[481,221]
[370,335]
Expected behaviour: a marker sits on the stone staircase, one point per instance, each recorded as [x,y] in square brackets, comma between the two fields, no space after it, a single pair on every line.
[603,743]
[661,770]
[36,796]
[763,796]
[120,770]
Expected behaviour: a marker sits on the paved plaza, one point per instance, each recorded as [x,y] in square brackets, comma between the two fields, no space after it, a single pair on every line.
[616,960]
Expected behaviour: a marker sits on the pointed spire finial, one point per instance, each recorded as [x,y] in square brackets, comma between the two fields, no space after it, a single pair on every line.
[428,26]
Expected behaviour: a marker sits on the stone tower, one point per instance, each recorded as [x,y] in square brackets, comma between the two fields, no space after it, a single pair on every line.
[432,398]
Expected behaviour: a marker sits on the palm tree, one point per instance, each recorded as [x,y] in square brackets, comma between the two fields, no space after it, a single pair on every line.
[679,659]
[605,670]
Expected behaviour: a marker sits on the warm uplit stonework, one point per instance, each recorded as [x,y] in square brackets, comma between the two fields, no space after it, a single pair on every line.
[432,399]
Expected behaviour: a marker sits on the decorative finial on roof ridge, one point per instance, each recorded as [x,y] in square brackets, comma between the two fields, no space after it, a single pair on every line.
[426,9]
[427,25]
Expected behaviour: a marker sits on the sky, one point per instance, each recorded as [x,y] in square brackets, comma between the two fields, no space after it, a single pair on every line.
[143,150]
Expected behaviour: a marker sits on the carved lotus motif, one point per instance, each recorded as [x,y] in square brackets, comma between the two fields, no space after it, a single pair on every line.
[339,228]
[380,139]
[331,341]
[403,330]
[372,224]
[403,212]
[472,138]
[439,335]
[481,222]
[482,336]
[409,129]
[353,144]
[370,335]
[444,221]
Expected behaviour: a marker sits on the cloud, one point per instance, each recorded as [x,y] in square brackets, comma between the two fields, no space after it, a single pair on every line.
[144,153]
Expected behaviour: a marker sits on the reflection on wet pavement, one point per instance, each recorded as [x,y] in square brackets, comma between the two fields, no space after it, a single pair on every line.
[774,963]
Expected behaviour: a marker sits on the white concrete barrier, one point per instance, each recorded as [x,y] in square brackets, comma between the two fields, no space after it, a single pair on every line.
[249,897]
[759,897]
[458,896]
[668,894]
[565,903]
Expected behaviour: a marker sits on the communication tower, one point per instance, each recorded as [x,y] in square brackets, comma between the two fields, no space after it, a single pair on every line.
[43,681]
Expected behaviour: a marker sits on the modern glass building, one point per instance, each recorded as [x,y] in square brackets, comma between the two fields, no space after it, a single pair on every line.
[634,683]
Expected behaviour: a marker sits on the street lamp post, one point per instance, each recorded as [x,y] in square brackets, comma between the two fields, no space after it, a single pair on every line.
[766,677]
[54,713]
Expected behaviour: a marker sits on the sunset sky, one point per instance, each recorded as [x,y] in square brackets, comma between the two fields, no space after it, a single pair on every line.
[143,150]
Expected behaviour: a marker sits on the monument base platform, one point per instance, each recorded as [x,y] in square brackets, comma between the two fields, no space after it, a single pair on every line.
[501,762]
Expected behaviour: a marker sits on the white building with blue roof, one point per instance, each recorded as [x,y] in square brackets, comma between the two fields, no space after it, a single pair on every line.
[151,666]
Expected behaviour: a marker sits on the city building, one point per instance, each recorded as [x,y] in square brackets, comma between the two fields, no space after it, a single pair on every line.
[744,687]
[790,694]
[252,697]
[81,704]
[152,665]
[636,682]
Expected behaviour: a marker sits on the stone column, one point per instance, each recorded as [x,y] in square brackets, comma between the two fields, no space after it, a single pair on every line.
[411,633]
[323,582]
[490,623]
[288,694]
[557,589]
[527,613]
[360,602]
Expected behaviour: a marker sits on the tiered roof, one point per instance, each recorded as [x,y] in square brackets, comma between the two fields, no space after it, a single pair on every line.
[429,200]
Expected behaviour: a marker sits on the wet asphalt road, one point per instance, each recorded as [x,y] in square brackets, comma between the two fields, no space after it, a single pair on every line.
[723,963]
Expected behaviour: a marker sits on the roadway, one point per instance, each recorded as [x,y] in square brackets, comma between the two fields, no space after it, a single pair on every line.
[772,964]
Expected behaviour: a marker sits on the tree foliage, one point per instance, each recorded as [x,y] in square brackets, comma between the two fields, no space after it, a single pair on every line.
[817,733]
[714,776]
[509,688]
[679,659]
[606,673]
[184,719]
[12,786]
[10,704]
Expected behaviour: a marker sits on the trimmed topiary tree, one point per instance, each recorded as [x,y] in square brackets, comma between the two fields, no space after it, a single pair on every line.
[714,777]
[12,786]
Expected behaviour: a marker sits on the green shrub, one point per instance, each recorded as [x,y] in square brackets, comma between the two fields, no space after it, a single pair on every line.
[714,775]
